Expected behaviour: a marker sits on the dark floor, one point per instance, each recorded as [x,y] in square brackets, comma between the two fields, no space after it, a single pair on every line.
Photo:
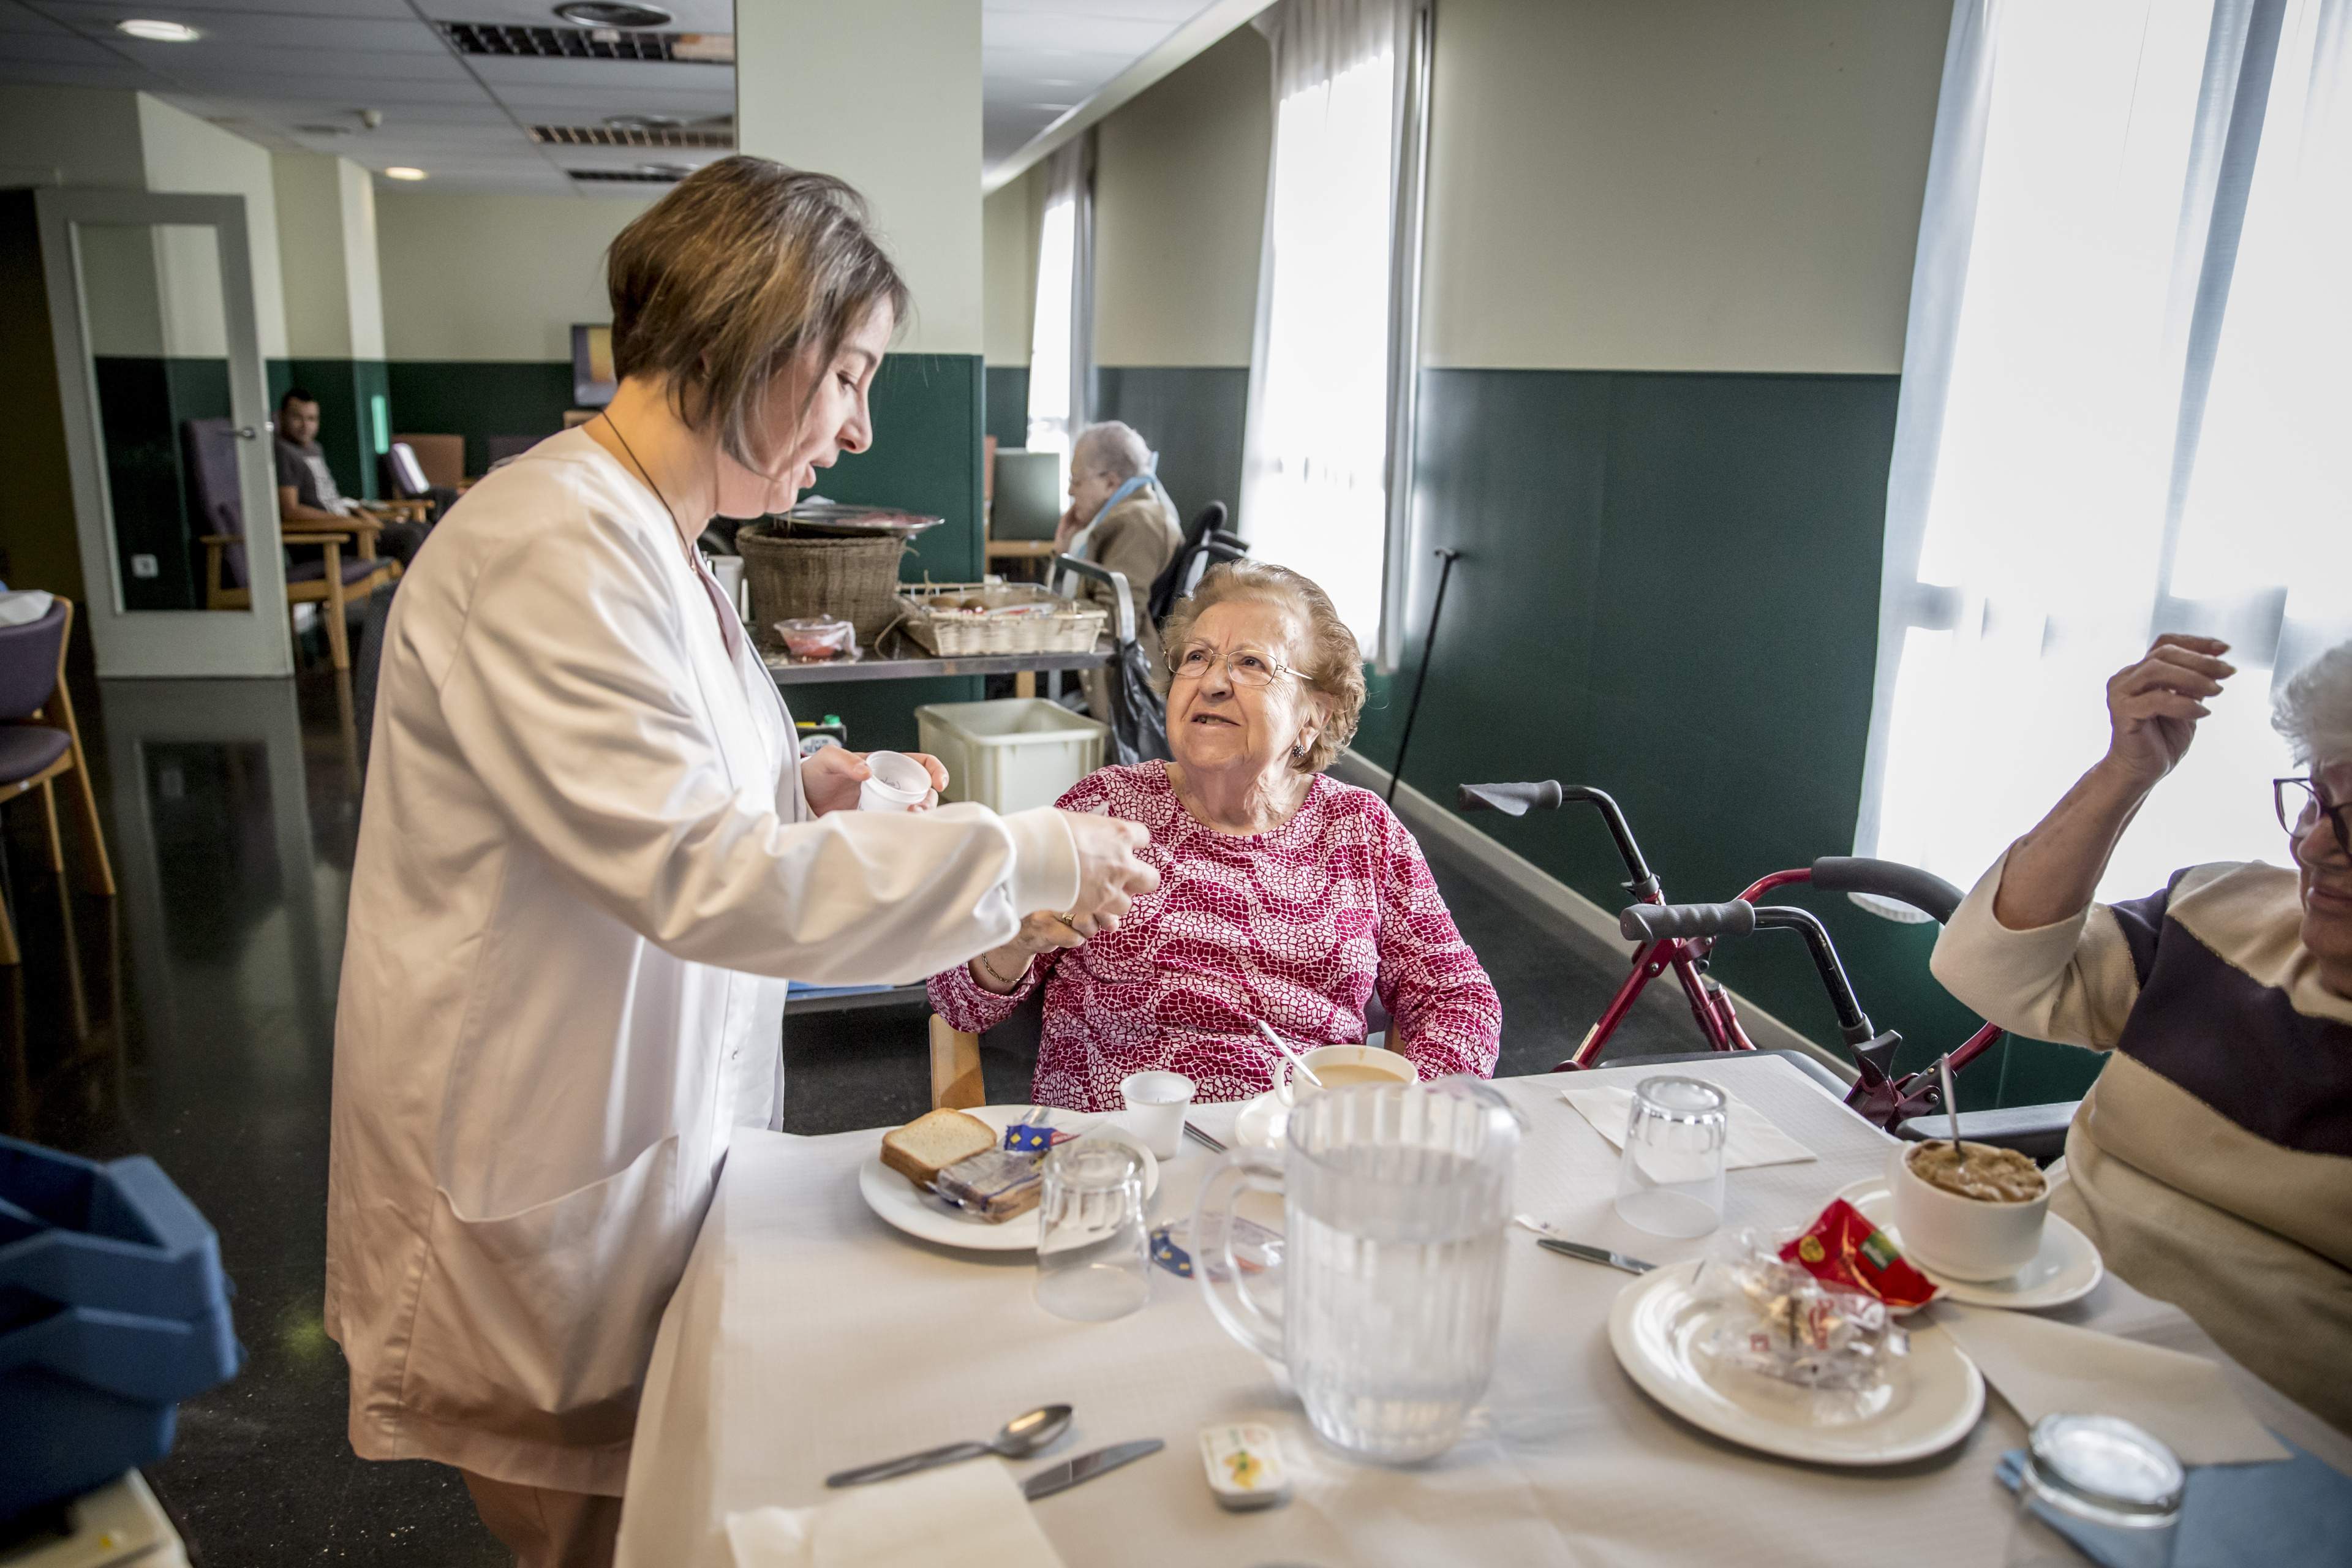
[192,1018]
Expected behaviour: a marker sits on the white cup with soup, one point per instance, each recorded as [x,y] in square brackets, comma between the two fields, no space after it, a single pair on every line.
[1341,1066]
[1979,1238]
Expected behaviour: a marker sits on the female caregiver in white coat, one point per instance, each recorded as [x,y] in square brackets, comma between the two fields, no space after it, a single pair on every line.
[590,856]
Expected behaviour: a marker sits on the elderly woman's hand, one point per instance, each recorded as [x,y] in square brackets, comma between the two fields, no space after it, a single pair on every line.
[1003,968]
[2153,707]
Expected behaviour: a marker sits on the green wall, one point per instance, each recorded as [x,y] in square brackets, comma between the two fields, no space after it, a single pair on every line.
[1007,412]
[479,399]
[1191,415]
[1669,590]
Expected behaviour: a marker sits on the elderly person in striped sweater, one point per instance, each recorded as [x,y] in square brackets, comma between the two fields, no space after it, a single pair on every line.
[2213,1161]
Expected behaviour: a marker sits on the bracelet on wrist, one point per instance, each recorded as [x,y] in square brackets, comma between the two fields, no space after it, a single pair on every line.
[1007,980]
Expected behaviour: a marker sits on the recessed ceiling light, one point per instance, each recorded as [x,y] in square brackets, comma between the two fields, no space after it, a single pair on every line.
[159,32]
[644,122]
[402,172]
[612,13]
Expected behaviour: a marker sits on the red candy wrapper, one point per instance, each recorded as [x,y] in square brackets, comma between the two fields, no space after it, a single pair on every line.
[1843,1248]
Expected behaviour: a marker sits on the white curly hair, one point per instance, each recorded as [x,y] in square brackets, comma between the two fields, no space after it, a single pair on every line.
[2314,709]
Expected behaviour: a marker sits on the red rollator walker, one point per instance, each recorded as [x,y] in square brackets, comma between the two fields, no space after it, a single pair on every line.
[1680,936]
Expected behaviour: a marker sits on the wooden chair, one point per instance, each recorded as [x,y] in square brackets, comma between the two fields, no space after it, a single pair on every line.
[40,743]
[330,579]
[955,1068]
[442,459]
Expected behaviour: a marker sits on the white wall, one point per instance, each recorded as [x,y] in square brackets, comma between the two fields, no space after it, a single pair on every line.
[327,247]
[70,136]
[493,276]
[1678,185]
[1180,212]
[1009,269]
[187,154]
[885,94]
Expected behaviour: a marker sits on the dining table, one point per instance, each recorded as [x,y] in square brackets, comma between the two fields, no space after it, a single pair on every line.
[808,1336]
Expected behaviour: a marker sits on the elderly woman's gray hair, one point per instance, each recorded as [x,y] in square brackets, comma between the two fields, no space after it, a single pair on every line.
[2314,709]
[1112,449]
[1332,665]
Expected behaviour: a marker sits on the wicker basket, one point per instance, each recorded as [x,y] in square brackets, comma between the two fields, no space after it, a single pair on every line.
[856,579]
[1019,619]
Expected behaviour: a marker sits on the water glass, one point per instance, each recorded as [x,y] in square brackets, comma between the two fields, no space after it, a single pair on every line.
[1093,1260]
[2099,1481]
[1670,1181]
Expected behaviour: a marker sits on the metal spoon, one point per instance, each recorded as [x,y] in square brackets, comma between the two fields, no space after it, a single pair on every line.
[1022,1435]
[1283,1045]
[1952,1108]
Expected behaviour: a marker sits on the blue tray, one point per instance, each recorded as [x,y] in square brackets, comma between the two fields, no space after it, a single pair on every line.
[119,1235]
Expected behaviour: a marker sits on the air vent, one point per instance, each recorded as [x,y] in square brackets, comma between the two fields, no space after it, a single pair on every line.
[589,43]
[630,176]
[630,136]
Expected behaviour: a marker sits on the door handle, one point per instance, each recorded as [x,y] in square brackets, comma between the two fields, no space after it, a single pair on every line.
[247,433]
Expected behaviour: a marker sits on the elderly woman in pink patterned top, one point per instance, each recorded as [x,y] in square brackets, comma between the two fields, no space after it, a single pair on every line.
[1284,895]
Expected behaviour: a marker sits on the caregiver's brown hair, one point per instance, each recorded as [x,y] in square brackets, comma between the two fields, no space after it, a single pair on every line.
[722,284]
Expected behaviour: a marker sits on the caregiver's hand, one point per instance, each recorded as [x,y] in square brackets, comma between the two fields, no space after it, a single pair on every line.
[830,778]
[1110,877]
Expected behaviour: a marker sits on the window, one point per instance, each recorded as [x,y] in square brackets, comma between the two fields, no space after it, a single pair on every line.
[1060,346]
[2123,413]
[1315,480]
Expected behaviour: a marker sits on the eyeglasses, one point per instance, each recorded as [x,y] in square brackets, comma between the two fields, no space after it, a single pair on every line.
[1245,667]
[2301,805]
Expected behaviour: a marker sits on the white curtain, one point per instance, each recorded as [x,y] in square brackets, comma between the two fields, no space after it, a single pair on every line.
[2123,410]
[1061,343]
[1314,450]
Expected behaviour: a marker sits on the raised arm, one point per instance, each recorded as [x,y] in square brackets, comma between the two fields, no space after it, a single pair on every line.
[2028,949]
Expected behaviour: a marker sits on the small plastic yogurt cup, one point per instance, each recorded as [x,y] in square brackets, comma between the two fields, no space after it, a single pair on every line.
[899,782]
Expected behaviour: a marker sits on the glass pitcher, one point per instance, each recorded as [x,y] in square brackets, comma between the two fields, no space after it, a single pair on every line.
[1395,1198]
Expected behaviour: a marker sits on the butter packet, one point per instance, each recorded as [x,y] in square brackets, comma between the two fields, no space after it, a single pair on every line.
[994,1186]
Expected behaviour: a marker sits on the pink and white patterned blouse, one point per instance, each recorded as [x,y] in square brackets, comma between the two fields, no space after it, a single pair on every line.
[1299,927]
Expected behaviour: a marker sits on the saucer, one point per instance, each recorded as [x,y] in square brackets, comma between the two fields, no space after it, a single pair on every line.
[2066,1268]
[1261,1122]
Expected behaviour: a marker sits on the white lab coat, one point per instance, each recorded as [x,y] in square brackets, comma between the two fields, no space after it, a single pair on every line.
[586,866]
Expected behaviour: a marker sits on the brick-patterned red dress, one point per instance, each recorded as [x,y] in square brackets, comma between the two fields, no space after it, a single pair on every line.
[1298,927]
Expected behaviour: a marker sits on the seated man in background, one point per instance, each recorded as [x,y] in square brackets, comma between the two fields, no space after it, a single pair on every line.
[307,492]
[1120,519]
[2211,1162]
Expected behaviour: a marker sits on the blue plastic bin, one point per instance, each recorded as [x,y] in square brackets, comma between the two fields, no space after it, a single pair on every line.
[79,1233]
[113,1309]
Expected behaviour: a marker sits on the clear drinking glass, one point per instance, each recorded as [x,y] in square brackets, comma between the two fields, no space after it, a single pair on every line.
[2101,1479]
[1670,1181]
[1093,1260]
[1394,1199]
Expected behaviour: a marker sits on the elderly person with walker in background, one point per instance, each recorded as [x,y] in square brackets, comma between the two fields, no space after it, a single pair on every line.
[590,854]
[1121,520]
[2211,1162]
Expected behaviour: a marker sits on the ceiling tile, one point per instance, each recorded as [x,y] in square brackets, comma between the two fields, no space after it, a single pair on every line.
[366,36]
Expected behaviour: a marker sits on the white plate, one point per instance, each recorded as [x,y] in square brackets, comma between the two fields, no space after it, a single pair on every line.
[1261,1122]
[1655,1327]
[2067,1268]
[892,1196]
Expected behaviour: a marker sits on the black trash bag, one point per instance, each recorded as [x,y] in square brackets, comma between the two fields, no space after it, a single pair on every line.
[1138,723]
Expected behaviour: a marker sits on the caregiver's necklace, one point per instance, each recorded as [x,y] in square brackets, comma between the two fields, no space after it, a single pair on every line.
[648,475]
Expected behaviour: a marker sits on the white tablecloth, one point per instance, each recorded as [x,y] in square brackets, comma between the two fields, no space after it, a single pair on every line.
[808,1336]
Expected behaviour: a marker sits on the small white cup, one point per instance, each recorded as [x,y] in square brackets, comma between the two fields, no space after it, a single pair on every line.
[1290,1088]
[899,782]
[1961,1238]
[1156,1103]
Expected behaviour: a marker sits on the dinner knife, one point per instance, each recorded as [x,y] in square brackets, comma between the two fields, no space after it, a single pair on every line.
[1061,1477]
[1193,1131]
[1594,1254]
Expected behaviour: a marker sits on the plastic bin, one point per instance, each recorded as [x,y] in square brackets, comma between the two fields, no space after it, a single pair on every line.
[1013,754]
[112,1310]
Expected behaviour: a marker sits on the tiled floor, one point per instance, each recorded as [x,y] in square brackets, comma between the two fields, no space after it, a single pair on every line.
[192,1018]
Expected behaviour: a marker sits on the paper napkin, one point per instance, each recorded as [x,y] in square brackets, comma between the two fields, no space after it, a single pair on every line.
[1753,1139]
[969,1514]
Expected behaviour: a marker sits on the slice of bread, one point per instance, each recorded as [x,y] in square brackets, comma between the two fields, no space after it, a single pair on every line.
[932,1141]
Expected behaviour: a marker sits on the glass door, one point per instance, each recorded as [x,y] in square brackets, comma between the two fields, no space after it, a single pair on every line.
[167,428]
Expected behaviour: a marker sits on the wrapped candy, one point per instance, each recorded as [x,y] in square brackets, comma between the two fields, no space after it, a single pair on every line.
[1776,1319]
